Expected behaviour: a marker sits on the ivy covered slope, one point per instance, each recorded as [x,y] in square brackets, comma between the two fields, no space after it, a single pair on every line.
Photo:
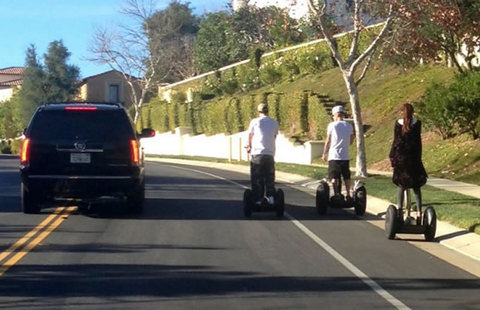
[382,93]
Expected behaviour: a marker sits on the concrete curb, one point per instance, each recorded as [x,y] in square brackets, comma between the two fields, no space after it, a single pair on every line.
[458,239]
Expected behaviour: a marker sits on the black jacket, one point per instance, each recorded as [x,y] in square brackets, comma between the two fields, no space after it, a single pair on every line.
[406,157]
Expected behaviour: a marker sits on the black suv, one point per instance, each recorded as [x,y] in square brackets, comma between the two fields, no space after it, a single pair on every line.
[85,152]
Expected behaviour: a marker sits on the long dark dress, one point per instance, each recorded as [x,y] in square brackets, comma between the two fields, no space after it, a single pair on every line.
[406,157]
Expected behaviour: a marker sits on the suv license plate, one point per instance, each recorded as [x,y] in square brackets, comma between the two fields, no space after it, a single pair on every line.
[80,158]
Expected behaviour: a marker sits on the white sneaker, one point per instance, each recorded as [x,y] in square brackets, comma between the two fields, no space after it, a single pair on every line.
[270,200]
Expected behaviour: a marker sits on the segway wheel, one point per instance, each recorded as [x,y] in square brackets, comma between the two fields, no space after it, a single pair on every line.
[280,203]
[247,203]
[429,223]
[360,200]
[391,222]
[322,198]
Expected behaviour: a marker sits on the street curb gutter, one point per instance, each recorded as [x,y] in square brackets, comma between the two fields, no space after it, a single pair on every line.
[458,239]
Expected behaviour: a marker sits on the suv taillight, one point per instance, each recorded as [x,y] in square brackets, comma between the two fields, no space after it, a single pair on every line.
[135,152]
[25,151]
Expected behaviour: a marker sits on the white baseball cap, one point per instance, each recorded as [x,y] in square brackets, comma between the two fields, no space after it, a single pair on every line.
[338,109]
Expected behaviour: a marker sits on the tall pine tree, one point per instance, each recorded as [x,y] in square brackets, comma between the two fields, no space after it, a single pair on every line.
[60,79]
[55,81]
[32,93]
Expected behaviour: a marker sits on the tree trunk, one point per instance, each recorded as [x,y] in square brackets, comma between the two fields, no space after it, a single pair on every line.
[360,166]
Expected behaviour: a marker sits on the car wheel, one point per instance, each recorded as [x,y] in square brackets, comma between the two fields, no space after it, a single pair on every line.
[280,203]
[29,201]
[247,203]
[136,199]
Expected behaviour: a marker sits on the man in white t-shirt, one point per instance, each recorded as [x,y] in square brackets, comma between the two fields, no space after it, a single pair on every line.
[262,133]
[339,137]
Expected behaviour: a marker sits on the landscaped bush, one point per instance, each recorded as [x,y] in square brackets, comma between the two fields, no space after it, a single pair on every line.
[454,110]
[5,147]
[247,77]
[314,59]
[269,74]
[318,118]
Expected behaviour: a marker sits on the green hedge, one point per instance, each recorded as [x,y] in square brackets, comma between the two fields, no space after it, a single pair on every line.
[302,114]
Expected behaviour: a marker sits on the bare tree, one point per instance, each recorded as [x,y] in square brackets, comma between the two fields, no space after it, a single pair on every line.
[128,51]
[355,60]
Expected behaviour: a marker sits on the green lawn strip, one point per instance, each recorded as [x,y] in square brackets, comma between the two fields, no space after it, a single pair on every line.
[457,209]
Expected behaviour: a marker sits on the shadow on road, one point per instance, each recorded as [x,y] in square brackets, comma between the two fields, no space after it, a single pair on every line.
[127,280]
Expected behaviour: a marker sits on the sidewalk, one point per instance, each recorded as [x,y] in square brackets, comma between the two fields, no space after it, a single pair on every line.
[454,238]
[467,189]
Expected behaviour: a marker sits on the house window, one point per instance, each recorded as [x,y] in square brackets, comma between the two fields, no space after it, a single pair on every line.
[114,93]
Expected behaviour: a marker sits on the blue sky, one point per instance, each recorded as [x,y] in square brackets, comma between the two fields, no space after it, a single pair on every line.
[39,22]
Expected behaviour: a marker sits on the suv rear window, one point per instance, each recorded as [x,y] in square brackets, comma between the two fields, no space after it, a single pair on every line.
[100,125]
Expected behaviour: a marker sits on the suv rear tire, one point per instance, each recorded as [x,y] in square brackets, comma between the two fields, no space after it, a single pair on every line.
[136,199]
[30,203]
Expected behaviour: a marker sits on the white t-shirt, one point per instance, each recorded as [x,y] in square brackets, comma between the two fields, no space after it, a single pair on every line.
[340,133]
[265,130]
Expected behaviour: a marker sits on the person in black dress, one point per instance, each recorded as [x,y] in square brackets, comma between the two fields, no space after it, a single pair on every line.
[406,156]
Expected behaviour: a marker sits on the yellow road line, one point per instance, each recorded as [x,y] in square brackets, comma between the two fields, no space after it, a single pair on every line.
[64,213]
[31,233]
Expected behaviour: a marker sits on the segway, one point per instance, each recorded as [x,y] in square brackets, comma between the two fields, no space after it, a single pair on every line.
[324,200]
[250,205]
[399,221]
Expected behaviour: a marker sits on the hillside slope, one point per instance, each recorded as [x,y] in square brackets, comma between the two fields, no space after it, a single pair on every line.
[382,93]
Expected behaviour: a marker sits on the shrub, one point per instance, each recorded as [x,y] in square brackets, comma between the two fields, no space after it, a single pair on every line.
[453,110]
[314,59]
[465,103]
[269,74]
[318,118]
[5,147]
[303,107]
[247,77]
[15,146]
[434,111]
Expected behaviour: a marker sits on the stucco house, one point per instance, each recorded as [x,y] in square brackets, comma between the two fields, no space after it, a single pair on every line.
[10,78]
[108,86]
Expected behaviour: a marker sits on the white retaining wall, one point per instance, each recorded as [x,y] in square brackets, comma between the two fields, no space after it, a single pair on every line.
[231,147]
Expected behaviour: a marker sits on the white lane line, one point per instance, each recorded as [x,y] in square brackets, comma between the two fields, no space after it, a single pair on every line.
[347,264]
[211,175]
[341,259]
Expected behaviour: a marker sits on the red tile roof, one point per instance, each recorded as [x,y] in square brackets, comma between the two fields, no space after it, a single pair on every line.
[12,70]
[12,83]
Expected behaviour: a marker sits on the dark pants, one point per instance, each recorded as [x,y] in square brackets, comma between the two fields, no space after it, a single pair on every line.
[336,170]
[262,176]
[416,191]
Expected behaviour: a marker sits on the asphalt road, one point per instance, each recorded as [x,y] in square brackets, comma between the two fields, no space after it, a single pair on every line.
[193,249]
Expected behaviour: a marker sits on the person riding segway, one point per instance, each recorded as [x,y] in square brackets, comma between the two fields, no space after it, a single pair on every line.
[408,173]
[340,136]
[262,196]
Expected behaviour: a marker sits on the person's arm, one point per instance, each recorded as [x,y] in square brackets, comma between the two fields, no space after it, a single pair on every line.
[352,136]
[249,146]
[326,148]
[392,154]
